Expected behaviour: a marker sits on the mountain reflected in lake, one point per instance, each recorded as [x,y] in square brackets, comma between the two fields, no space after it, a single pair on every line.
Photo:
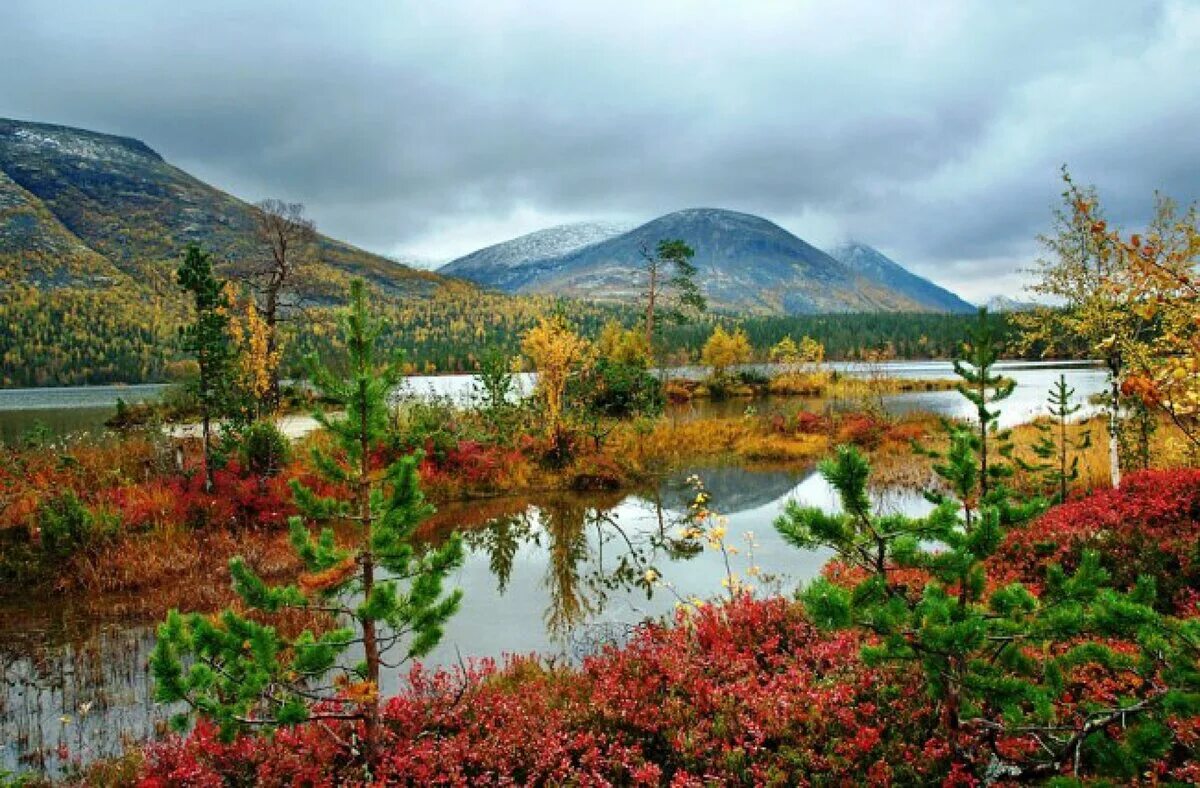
[547,575]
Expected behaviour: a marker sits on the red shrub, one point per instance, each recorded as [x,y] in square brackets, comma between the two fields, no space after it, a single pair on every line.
[860,429]
[740,693]
[236,499]
[1150,525]
[469,463]
[906,432]
[810,423]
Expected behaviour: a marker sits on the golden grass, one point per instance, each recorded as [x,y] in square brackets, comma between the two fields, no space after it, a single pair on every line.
[783,448]
[1168,450]
[148,574]
[808,384]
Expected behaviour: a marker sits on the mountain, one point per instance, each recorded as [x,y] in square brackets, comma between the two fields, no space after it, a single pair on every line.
[1002,303]
[874,265]
[91,229]
[502,264]
[83,209]
[745,263]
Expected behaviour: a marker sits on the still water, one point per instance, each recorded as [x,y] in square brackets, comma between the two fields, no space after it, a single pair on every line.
[558,575]
[74,409]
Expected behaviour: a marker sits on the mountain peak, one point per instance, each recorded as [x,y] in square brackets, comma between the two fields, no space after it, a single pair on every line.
[1002,303]
[744,263]
[491,265]
[46,138]
[869,262]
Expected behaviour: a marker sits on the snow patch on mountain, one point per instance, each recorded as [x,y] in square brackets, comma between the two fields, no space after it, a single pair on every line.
[539,245]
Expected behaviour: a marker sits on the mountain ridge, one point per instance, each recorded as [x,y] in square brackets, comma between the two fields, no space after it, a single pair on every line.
[869,261]
[122,202]
[492,265]
[745,263]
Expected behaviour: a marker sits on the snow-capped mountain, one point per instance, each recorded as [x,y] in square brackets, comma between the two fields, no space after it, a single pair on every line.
[1001,303]
[495,265]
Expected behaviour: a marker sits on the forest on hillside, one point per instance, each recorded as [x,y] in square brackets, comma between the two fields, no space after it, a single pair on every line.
[76,336]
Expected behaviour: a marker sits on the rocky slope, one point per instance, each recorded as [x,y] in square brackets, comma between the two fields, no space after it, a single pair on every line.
[84,209]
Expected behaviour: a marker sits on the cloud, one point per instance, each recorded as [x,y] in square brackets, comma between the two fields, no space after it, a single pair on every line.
[933,130]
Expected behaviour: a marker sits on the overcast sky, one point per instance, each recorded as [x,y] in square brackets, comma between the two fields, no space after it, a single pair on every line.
[932,130]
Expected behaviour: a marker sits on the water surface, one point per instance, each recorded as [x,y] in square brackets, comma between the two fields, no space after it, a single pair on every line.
[75,409]
[556,574]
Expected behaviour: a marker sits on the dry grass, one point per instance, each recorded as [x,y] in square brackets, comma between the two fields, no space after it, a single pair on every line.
[808,384]
[668,443]
[148,574]
[1167,450]
[783,448]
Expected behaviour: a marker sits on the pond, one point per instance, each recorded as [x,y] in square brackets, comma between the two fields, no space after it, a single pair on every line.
[65,410]
[556,574]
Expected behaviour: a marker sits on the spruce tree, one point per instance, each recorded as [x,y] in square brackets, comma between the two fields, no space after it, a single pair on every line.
[997,660]
[208,339]
[1057,451]
[984,388]
[384,592]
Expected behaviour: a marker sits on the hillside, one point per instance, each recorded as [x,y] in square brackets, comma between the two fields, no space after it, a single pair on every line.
[91,228]
[745,263]
[874,265]
[84,209]
[500,264]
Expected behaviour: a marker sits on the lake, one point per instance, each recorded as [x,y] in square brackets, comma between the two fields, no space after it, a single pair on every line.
[76,409]
[556,574]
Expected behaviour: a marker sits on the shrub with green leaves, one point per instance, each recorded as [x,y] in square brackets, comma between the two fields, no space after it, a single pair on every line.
[264,450]
[67,526]
[494,382]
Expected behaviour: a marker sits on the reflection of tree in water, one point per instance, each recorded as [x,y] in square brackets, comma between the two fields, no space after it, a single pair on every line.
[591,555]
[501,539]
[568,548]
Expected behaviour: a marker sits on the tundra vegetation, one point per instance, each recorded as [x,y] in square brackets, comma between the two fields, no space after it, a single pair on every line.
[1040,624]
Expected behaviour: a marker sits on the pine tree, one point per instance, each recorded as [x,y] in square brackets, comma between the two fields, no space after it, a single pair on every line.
[975,463]
[670,285]
[1056,449]
[984,388]
[208,339]
[996,661]
[380,587]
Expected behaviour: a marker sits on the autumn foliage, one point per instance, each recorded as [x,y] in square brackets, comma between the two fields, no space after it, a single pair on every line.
[742,693]
[1150,525]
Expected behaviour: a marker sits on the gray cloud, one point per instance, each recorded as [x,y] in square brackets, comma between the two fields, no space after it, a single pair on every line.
[931,129]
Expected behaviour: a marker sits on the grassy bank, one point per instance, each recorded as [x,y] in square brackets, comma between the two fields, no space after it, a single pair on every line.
[116,523]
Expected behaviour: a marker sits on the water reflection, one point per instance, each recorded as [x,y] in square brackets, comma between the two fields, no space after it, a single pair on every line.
[554,574]
[580,562]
